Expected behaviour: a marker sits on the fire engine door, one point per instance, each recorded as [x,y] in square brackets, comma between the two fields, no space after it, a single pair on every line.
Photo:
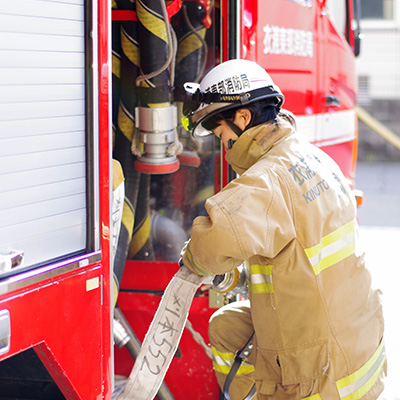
[47,211]
[49,202]
[337,82]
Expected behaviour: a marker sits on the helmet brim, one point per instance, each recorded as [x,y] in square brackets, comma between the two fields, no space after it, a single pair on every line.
[198,130]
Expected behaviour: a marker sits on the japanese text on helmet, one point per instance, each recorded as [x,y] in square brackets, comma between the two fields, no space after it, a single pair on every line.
[233,84]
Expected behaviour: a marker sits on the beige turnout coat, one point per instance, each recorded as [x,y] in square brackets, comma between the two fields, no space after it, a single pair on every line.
[292,217]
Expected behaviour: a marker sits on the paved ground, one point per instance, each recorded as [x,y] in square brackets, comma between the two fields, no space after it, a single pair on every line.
[380,183]
[379,220]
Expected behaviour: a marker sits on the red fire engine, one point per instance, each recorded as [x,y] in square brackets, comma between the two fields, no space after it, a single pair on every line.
[86,82]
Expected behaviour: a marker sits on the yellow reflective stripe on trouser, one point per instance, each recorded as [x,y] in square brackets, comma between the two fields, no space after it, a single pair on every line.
[313,397]
[333,248]
[260,280]
[357,385]
[222,362]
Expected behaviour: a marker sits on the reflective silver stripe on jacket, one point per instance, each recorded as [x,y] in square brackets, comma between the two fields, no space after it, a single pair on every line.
[334,247]
[357,385]
[260,279]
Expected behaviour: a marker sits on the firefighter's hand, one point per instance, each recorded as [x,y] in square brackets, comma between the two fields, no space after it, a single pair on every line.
[185,261]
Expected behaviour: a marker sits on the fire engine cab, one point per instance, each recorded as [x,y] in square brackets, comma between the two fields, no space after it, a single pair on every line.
[100,182]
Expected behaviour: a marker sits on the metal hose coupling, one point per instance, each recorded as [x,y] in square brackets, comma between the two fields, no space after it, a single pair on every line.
[157,133]
[232,283]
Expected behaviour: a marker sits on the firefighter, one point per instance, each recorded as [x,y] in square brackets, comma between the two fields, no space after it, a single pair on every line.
[290,216]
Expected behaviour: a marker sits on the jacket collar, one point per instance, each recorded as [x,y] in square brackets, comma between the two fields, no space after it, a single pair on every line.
[255,142]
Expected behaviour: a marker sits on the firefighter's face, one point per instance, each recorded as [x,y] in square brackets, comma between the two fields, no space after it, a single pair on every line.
[224,131]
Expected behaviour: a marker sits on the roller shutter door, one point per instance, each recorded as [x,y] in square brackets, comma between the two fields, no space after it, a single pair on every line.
[43,174]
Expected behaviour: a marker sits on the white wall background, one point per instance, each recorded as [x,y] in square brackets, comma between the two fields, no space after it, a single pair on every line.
[379,62]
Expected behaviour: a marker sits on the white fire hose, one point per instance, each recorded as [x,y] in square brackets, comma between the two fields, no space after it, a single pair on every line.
[163,336]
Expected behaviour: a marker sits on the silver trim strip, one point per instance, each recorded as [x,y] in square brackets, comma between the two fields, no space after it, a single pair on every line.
[5,331]
[25,279]
[95,121]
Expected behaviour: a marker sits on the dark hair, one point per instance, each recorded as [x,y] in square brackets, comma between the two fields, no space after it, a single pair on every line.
[261,112]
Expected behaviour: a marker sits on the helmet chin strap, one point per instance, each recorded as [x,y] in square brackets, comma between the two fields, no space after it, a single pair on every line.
[231,142]
[235,129]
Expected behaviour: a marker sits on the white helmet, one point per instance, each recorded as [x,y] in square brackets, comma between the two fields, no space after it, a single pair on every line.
[232,84]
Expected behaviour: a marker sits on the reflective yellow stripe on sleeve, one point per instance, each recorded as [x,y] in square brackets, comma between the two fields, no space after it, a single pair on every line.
[313,397]
[222,362]
[200,270]
[260,279]
[356,385]
[333,247]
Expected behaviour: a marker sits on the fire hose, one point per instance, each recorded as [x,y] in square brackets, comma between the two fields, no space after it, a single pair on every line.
[125,336]
[163,336]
